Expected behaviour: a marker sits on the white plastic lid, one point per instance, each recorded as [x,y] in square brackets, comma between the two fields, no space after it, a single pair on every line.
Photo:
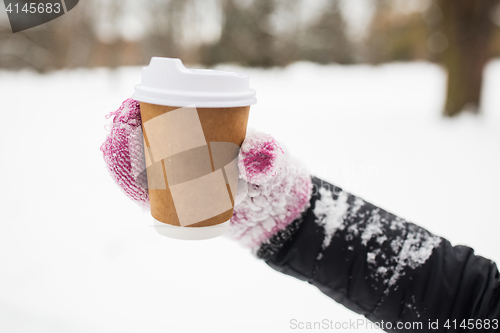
[167,82]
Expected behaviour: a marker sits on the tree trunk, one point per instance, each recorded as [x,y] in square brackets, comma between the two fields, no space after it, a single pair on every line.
[468,28]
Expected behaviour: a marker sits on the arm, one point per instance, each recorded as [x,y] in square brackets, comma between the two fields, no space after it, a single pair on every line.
[371,261]
[367,259]
[382,266]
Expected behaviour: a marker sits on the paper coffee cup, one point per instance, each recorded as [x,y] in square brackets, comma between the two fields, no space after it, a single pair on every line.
[194,122]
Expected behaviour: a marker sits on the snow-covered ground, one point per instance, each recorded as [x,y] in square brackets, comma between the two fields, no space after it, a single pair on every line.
[77,256]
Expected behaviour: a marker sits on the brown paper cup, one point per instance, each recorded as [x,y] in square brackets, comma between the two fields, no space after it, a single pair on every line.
[191,159]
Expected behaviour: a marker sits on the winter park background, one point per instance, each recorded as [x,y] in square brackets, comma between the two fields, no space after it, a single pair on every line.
[76,255]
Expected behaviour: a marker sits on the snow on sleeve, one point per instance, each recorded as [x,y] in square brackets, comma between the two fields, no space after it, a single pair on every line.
[391,243]
[330,213]
[415,250]
[373,228]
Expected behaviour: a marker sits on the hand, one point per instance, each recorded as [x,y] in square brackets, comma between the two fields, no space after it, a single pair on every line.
[273,189]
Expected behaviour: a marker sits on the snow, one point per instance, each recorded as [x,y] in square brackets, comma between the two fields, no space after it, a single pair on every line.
[410,245]
[330,213]
[271,206]
[416,249]
[373,228]
[76,255]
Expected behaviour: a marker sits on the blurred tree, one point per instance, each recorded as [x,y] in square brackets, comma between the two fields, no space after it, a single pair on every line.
[268,33]
[325,40]
[468,28]
[395,36]
[456,33]
[110,49]
[246,36]
[166,21]
[64,42]
[71,41]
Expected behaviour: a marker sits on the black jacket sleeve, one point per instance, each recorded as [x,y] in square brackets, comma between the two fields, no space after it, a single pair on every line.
[385,268]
